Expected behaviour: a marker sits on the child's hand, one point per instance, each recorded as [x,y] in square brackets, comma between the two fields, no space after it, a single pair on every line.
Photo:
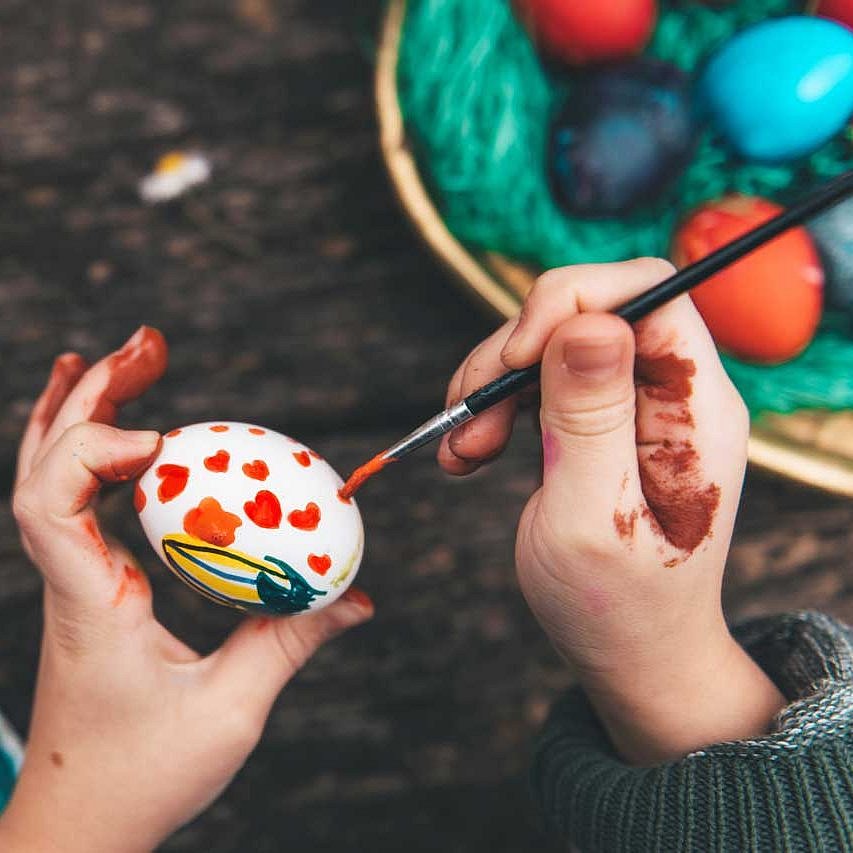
[621,552]
[132,733]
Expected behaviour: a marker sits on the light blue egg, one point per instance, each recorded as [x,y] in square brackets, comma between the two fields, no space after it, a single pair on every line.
[780,89]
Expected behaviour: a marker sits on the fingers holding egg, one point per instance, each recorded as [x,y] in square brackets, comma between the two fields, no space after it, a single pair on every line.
[250,518]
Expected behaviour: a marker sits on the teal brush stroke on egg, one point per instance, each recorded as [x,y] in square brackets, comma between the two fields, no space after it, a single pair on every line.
[280,599]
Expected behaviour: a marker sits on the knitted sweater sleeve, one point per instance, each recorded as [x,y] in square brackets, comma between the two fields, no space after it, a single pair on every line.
[787,792]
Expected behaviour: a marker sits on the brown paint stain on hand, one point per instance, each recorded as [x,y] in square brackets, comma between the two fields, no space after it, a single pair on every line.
[680,505]
[667,378]
[173,481]
[211,523]
[57,759]
[625,523]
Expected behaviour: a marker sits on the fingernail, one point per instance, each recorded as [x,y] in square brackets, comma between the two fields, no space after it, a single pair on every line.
[511,344]
[134,339]
[145,438]
[358,596]
[593,359]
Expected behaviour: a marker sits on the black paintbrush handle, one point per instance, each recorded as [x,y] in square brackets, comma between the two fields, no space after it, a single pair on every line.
[825,196]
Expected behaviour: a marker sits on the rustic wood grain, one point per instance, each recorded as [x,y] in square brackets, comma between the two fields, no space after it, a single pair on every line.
[293,294]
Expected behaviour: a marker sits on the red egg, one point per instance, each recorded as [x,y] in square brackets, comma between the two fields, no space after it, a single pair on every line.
[579,32]
[835,10]
[765,307]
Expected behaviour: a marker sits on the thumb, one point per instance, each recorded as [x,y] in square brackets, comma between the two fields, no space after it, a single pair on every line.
[264,653]
[588,413]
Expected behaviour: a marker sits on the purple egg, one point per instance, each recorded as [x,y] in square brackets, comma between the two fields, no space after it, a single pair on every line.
[624,134]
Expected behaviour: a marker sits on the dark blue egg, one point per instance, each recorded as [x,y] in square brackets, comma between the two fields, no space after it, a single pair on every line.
[833,235]
[623,135]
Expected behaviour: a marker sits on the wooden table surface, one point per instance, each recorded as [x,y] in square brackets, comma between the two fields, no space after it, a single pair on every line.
[293,294]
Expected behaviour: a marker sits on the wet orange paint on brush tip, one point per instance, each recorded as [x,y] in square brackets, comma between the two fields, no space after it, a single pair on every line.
[361,475]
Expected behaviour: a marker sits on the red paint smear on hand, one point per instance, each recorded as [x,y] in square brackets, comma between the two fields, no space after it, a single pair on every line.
[211,523]
[67,370]
[305,519]
[257,470]
[320,564]
[132,370]
[133,582]
[219,428]
[666,377]
[139,499]
[359,597]
[90,528]
[264,510]
[361,475]
[218,463]
[173,481]
[302,457]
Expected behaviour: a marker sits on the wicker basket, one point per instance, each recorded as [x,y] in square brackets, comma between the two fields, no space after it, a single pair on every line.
[813,447]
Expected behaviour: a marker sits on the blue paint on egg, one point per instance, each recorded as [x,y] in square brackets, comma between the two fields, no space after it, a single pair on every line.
[623,135]
[780,89]
[833,235]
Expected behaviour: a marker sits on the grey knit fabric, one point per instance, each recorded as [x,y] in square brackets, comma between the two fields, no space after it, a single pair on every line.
[790,791]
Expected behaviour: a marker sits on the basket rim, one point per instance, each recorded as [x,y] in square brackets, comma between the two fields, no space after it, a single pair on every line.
[481,276]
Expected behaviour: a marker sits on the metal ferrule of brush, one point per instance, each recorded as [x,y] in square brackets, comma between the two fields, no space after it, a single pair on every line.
[435,427]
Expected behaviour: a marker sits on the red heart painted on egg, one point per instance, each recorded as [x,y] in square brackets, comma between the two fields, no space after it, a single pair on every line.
[218,463]
[302,458]
[173,480]
[257,470]
[320,564]
[264,510]
[305,519]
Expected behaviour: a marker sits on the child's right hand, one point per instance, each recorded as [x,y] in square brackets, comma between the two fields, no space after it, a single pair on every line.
[133,733]
[621,552]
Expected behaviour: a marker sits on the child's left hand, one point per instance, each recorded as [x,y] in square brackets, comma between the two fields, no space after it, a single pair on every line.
[133,733]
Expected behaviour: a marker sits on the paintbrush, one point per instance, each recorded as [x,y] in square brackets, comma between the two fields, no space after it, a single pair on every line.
[515,380]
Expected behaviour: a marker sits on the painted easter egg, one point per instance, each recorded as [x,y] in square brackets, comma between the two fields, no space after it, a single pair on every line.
[780,89]
[835,10]
[765,307]
[588,32]
[623,135]
[833,233]
[250,518]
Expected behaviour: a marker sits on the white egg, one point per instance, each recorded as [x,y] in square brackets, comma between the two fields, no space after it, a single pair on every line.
[250,518]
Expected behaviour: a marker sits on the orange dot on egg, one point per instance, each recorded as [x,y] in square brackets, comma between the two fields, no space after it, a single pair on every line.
[257,431]
[173,433]
[219,428]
